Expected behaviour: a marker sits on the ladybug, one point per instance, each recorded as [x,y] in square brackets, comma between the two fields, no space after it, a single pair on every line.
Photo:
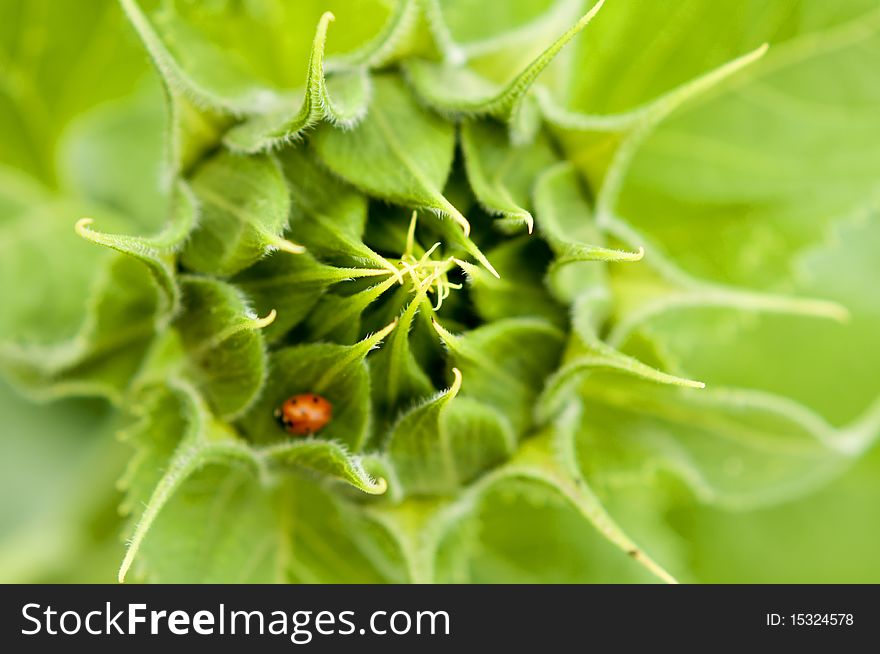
[304,414]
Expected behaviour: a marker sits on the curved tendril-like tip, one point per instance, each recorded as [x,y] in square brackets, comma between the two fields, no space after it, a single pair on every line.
[427,255]
[639,254]
[456,384]
[380,486]
[442,294]
[457,216]
[260,323]
[82,226]
[288,246]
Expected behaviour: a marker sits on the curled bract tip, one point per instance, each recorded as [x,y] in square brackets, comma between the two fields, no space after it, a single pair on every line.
[380,485]
[456,382]
[288,246]
[458,217]
[260,323]
[81,226]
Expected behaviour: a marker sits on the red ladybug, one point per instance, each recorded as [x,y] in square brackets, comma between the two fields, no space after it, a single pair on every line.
[304,414]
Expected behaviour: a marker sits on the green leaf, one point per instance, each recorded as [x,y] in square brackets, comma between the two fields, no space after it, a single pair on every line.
[327,215]
[501,174]
[225,350]
[325,544]
[397,378]
[542,468]
[459,89]
[324,458]
[188,471]
[336,372]
[778,353]
[565,220]
[38,227]
[586,357]
[114,155]
[520,289]
[345,106]
[176,437]
[292,286]
[158,252]
[243,212]
[339,317]
[400,36]
[116,326]
[226,56]
[443,443]
[194,131]
[736,448]
[220,526]
[815,541]
[505,363]
[399,152]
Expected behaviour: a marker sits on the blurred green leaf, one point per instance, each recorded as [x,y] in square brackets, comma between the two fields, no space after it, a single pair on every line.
[479,89]
[58,465]
[103,356]
[157,252]
[734,448]
[58,60]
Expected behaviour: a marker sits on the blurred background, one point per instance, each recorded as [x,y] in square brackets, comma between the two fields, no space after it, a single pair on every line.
[82,127]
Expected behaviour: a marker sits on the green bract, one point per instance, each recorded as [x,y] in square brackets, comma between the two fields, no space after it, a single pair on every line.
[579,279]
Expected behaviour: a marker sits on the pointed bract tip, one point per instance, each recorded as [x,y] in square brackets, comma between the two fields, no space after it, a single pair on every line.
[260,323]
[387,329]
[587,17]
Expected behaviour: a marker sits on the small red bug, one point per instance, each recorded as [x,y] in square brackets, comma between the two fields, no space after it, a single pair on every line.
[304,414]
